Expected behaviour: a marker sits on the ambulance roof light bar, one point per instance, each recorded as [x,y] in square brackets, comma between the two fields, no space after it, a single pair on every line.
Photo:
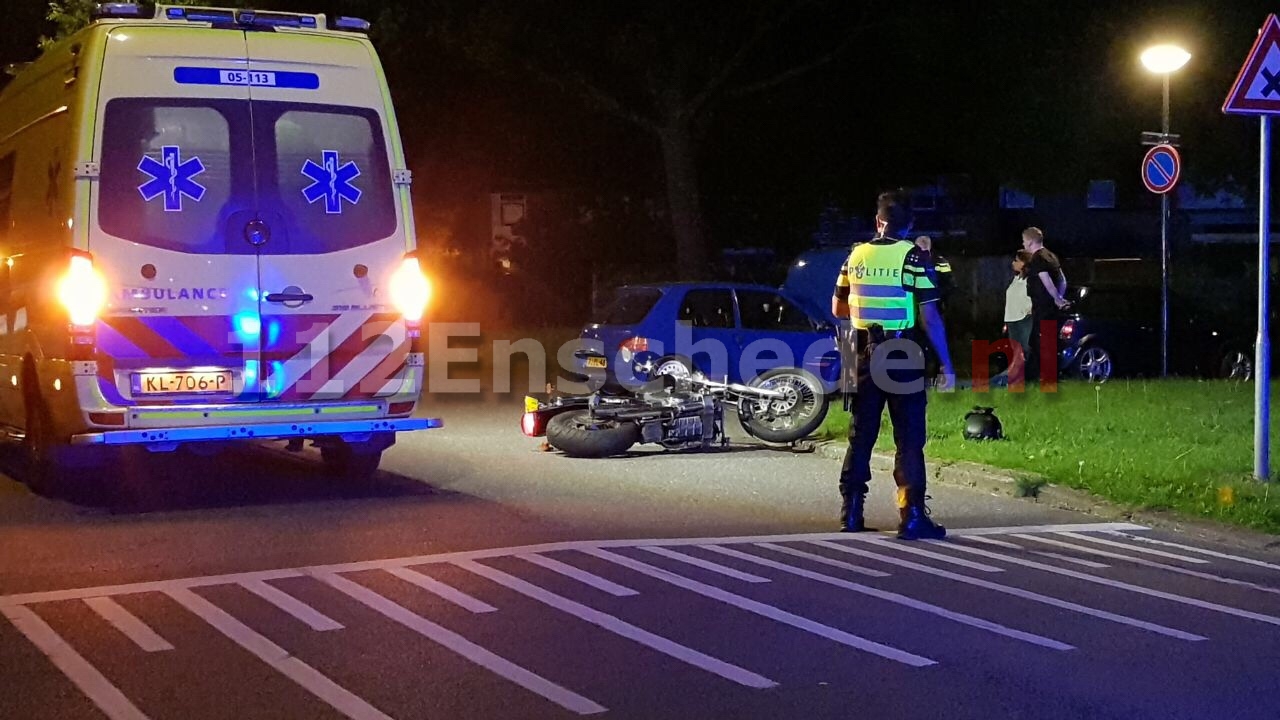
[244,18]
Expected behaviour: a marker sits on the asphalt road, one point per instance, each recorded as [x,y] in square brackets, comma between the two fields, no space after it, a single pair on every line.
[482,578]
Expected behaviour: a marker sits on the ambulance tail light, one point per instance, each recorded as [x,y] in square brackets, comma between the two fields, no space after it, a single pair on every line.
[82,290]
[410,290]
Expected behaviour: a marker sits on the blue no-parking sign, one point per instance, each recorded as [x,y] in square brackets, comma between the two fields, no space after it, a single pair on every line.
[1161,168]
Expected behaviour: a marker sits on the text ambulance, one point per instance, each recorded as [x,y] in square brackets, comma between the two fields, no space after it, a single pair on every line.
[206,236]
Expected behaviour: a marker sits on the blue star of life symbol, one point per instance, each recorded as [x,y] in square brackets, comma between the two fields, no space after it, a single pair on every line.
[331,182]
[172,178]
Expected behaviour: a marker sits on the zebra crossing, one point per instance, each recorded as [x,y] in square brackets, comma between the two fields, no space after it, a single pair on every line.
[1093,580]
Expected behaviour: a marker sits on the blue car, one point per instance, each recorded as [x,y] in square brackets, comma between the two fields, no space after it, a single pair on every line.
[727,331]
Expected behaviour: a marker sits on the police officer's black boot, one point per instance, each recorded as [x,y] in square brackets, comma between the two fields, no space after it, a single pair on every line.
[916,524]
[851,510]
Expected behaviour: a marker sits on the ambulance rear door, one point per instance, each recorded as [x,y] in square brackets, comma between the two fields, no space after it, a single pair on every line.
[337,220]
[175,218]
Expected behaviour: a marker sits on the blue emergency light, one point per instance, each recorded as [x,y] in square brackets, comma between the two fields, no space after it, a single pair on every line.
[116,10]
[350,23]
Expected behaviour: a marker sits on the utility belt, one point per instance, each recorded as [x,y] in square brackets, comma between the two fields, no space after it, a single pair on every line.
[875,334]
[857,345]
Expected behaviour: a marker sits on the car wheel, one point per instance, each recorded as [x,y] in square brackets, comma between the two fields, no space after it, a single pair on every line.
[355,463]
[1236,365]
[1094,364]
[674,366]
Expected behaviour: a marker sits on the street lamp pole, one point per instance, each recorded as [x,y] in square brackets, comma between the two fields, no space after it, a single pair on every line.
[1164,60]
[1164,254]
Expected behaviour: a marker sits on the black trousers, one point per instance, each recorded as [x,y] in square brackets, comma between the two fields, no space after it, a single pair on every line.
[1042,334]
[907,415]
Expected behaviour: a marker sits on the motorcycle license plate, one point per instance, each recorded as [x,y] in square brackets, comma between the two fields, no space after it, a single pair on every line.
[531,404]
[172,383]
[597,362]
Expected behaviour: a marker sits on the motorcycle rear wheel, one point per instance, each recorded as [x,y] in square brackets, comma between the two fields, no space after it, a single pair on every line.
[790,419]
[577,434]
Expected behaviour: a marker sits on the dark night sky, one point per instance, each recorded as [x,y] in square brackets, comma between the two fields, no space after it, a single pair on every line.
[1051,93]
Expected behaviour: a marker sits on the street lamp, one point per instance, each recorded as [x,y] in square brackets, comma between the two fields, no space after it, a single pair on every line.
[1164,60]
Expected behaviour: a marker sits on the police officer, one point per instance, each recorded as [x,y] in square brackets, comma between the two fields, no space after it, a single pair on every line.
[881,288]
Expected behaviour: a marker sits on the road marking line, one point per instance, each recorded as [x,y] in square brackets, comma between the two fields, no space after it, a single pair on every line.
[997,543]
[759,608]
[1191,548]
[824,560]
[959,562]
[1041,553]
[620,627]
[83,675]
[445,592]
[706,565]
[544,548]
[1159,566]
[1204,604]
[1075,561]
[291,605]
[580,575]
[892,597]
[1024,594]
[450,640]
[128,624]
[1131,548]
[310,679]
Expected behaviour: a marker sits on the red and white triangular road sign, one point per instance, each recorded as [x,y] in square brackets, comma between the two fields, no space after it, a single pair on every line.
[1257,88]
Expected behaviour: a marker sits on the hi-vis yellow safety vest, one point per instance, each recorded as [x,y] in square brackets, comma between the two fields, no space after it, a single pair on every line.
[876,292]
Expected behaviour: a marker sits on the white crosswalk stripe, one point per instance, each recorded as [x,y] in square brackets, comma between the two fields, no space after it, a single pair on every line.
[128,624]
[631,593]
[1016,592]
[1152,564]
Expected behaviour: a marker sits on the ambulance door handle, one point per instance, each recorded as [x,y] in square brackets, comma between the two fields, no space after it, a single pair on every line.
[287,297]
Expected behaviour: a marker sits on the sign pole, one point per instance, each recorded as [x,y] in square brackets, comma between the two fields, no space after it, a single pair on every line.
[1262,372]
[1164,253]
[1257,92]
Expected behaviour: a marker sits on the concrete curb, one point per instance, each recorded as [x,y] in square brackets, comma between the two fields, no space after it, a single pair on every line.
[1007,483]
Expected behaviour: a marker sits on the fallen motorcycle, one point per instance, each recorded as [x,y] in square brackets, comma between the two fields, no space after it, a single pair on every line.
[783,405]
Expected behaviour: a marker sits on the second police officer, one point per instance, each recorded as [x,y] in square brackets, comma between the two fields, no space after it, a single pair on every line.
[888,288]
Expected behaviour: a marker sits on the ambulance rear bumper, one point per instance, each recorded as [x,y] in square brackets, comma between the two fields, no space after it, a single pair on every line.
[348,430]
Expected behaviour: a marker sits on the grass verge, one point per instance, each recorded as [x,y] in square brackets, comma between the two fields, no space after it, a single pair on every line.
[1180,445]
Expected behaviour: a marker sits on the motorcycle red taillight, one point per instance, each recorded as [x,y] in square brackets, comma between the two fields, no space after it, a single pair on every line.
[1068,330]
[532,425]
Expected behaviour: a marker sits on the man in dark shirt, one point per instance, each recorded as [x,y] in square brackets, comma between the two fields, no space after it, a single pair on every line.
[1047,286]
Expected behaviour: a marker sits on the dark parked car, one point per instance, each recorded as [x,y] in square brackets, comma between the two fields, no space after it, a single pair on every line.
[1115,331]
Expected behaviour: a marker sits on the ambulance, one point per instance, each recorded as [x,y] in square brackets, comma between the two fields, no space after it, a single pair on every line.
[206,238]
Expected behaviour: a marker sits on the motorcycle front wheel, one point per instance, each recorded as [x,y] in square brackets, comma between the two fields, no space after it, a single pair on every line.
[577,434]
[795,416]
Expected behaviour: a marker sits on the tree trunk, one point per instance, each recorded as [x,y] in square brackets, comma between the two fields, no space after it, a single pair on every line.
[683,201]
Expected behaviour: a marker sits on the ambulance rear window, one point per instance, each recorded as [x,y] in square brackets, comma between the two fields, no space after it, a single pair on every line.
[190,175]
[167,173]
[327,167]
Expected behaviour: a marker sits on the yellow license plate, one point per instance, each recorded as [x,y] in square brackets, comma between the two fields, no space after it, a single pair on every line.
[597,362]
[531,404]
[174,383]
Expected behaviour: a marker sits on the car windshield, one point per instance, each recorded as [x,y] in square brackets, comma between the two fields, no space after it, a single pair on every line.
[629,306]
